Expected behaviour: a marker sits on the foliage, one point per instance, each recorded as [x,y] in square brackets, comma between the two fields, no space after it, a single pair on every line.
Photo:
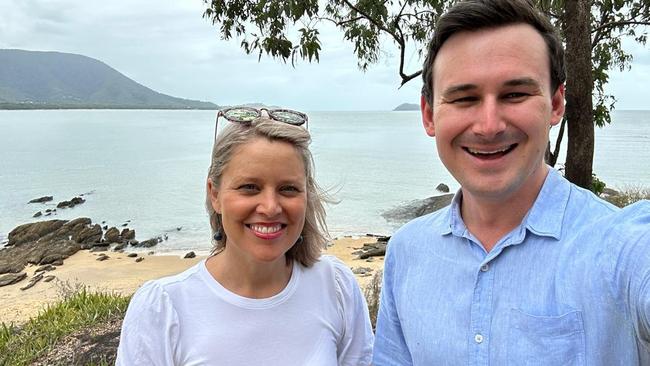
[628,196]
[19,345]
[265,27]
[372,292]
[597,185]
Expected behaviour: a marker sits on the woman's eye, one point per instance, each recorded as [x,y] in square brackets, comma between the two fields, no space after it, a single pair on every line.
[247,187]
[290,189]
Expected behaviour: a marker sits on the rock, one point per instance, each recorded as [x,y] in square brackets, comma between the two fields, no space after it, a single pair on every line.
[32,282]
[361,270]
[99,248]
[120,246]
[48,278]
[125,224]
[45,242]
[417,208]
[102,257]
[38,214]
[148,243]
[11,278]
[150,253]
[58,262]
[112,235]
[377,249]
[48,210]
[127,234]
[47,267]
[179,228]
[33,231]
[190,255]
[69,204]
[41,199]
[89,235]
[139,259]
[442,188]
[132,255]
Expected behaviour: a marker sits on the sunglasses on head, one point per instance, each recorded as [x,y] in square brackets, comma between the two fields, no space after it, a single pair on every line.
[246,115]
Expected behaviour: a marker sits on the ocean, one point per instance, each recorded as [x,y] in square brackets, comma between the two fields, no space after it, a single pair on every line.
[148,168]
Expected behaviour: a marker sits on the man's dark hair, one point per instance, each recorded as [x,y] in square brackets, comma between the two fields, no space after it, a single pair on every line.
[473,15]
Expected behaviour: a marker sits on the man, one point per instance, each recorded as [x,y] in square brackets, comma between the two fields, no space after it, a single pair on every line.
[523,268]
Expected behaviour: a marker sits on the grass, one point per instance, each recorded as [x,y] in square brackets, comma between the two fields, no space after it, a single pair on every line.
[628,196]
[20,345]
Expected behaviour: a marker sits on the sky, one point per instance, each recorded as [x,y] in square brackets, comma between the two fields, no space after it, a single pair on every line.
[167,46]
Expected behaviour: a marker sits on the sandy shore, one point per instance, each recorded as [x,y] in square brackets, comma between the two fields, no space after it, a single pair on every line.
[122,274]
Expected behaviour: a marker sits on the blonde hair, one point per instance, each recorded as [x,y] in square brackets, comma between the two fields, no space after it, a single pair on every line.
[314,233]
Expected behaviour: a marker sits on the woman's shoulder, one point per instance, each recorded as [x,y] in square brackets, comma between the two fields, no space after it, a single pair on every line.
[164,286]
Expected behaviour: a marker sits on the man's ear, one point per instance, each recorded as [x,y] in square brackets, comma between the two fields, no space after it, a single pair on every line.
[213,192]
[427,117]
[557,103]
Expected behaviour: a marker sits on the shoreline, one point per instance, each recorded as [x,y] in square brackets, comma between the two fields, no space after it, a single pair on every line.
[121,274]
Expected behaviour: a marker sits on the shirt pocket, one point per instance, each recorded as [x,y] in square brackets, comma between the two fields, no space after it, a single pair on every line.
[546,340]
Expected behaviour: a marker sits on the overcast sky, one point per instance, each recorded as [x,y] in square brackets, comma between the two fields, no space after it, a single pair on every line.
[166,45]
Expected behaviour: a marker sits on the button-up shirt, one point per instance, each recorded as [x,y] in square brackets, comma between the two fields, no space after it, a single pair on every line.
[569,286]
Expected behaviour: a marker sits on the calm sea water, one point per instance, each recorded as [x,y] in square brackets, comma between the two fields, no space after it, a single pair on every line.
[150,167]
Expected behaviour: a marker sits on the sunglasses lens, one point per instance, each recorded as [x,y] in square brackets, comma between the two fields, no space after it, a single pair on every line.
[241,115]
[290,117]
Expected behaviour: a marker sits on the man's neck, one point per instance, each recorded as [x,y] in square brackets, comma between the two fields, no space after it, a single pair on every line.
[490,219]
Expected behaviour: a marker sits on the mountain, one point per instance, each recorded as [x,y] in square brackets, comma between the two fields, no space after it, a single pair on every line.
[42,80]
[407,107]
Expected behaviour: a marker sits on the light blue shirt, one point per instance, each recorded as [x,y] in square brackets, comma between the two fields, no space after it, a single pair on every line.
[569,286]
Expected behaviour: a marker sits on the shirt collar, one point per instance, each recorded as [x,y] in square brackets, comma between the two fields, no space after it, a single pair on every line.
[544,218]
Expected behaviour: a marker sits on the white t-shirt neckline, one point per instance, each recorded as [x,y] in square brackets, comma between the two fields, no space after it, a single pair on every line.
[247,302]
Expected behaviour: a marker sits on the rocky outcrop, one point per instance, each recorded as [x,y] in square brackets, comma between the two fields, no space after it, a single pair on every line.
[417,208]
[442,188]
[11,278]
[42,199]
[69,204]
[47,242]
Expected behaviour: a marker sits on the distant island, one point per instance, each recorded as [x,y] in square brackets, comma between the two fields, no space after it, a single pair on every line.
[407,107]
[55,80]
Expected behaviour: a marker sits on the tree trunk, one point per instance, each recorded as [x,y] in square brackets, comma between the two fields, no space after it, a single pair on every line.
[579,89]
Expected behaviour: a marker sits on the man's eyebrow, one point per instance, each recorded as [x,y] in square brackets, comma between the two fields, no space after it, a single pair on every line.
[522,82]
[458,88]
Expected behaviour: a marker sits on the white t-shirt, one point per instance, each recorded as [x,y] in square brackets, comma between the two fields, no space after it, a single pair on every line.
[319,318]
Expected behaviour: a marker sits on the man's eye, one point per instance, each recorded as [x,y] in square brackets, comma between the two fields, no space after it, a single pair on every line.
[515,95]
[467,99]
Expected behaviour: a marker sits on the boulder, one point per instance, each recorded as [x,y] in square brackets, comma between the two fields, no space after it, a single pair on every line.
[417,208]
[38,214]
[32,282]
[42,199]
[127,234]
[89,235]
[112,235]
[11,278]
[190,255]
[46,242]
[442,188]
[69,204]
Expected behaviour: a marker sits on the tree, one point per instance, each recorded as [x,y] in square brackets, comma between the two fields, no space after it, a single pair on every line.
[592,30]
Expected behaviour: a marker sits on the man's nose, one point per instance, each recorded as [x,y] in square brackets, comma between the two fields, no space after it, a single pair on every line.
[489,121]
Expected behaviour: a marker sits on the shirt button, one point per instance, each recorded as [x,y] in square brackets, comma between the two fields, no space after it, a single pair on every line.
[478,338]
[484,268]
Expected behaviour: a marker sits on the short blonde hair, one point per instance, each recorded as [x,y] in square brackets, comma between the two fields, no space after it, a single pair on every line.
[314,233]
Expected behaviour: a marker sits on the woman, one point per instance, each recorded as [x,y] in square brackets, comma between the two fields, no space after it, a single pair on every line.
[265,296]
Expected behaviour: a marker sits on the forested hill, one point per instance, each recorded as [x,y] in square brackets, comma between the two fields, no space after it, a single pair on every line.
[33,79]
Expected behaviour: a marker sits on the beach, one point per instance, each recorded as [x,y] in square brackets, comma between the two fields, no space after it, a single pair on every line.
[124,275]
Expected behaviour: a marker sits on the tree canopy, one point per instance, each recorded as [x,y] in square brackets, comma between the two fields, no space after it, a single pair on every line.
[592,29]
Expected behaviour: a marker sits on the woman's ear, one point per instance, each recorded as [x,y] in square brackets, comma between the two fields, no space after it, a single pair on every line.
[213,191]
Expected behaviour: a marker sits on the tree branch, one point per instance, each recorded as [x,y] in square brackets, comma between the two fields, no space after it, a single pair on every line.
[598,31]
[372,20]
